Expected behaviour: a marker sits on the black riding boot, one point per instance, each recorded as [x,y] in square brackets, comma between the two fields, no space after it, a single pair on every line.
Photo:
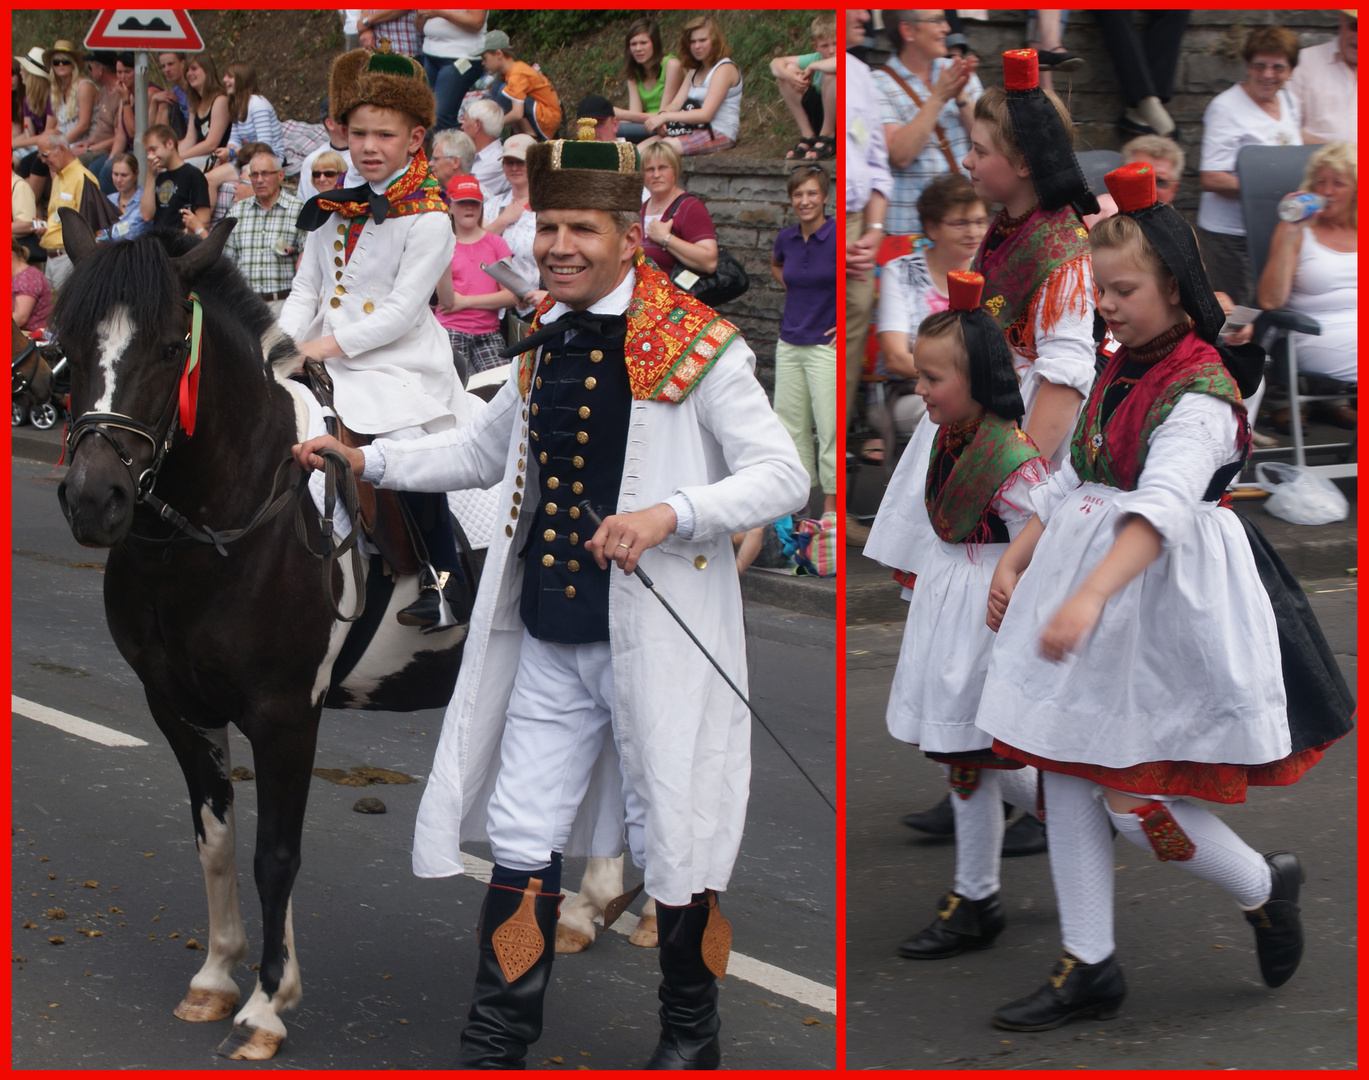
[506,1016]
[688,993]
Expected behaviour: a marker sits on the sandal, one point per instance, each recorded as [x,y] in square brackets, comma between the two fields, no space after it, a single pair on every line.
[799,150]
[823,148]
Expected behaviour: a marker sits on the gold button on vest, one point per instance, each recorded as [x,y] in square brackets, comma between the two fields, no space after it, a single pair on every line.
[549,535]
[591,383]
[570,592]
[574,512]
[542,457]
[578,488]
[573,566]
[582,437]
[596,356]
[578,461]
[584,412]
[551,509]
[534,408]
[539,382]
[548,560]
[574,539]
[553,483]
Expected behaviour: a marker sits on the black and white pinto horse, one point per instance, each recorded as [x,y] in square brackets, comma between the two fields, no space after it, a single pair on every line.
[219,635]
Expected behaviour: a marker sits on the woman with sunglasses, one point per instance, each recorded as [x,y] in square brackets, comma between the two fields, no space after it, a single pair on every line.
[72,95]
[328,171]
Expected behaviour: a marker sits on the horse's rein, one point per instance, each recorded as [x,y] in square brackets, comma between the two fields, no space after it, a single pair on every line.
[184,399]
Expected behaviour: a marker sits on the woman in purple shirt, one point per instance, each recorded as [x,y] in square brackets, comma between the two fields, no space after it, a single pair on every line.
[805,263]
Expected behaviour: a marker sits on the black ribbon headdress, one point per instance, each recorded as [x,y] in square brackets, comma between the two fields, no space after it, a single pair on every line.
[1133,188]
[1045,144]
[993,381]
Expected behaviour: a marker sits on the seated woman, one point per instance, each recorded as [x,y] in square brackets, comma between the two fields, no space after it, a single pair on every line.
[705,114]
[30,293]
[508,215]
[209,111]
[328,171]
[1312,268]
[128,195]
[676,226]
[253,119]
[651,79]
[913,286]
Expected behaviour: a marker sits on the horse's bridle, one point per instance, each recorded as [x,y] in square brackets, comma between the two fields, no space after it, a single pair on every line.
[163,436]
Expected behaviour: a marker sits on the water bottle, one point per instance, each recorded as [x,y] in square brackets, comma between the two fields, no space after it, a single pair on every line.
[1300,205]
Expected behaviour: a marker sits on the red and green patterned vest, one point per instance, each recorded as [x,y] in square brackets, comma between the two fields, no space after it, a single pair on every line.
[960,510]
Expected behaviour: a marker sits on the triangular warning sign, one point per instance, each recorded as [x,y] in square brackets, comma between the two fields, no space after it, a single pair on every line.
[144,29]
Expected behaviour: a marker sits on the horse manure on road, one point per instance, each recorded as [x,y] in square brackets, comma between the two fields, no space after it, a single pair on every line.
[242,772]
[362,775]
[369,806]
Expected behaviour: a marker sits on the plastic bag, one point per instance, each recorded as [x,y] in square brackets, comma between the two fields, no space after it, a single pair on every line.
[1299,495]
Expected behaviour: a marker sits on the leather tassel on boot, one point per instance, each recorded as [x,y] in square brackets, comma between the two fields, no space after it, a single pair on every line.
[694,943]
[517,946]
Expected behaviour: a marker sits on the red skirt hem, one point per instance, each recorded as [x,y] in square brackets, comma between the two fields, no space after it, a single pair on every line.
[1219,783]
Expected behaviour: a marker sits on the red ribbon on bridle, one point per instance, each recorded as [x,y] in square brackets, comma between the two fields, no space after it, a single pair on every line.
[190,378]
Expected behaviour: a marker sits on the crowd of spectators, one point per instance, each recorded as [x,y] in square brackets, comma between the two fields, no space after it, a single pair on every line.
[908,129]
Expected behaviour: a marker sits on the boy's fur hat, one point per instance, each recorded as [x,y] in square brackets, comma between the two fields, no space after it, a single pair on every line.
[385,79]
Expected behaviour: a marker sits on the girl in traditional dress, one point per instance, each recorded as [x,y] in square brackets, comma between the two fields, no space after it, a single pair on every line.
[1152,648]
[980,470]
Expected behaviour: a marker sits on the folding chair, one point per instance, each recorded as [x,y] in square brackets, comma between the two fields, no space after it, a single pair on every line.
[1267,174]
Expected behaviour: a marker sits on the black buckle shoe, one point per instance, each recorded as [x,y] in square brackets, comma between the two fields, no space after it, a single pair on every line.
[1025,836]
[1074,990]
[1278,921]
[960,924]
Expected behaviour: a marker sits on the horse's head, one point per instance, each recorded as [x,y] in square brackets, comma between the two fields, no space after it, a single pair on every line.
[124,322]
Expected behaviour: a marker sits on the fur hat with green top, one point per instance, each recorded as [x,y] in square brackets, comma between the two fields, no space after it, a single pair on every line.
[584,174]
[385,79]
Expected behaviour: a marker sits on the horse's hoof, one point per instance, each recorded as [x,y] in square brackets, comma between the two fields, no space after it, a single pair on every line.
[246,1043]
[571,941]
[203,1006]
[644,934]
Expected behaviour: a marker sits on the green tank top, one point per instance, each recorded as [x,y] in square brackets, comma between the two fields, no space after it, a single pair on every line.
[651,99]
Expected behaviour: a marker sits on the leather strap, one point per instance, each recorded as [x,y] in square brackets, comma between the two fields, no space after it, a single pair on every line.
[945,143]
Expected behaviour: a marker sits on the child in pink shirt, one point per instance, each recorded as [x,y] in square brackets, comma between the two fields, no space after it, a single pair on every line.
[469,301]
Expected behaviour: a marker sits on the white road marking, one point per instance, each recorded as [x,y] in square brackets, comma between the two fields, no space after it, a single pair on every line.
[72,725]
[767,976]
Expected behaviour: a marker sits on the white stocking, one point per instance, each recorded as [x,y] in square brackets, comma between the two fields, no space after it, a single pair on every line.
[1219,855]
[1081,865]
[1019,787]
[978,838]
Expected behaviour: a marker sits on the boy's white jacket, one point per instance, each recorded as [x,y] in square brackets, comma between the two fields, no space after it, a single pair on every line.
[685,736]
[397,369]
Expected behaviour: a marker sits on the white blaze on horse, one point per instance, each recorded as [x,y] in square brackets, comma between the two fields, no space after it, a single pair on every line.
[226,612]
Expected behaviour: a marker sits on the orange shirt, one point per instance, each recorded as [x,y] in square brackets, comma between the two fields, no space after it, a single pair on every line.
[523,81]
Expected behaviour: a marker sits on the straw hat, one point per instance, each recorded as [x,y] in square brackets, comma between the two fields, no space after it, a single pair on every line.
[33,62]
[62,45]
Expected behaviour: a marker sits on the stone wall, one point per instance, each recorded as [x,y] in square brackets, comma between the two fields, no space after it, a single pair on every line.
[749,206]
[1210,62]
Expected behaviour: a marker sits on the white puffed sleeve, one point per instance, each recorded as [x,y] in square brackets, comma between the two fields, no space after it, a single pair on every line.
[1012,501]
[1196,439]
[1065,352]
[1047,496]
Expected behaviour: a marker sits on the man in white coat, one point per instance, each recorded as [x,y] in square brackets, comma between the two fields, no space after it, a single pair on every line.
[359,300]
[637,399]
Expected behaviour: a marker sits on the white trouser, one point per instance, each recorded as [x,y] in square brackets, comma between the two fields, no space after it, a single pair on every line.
[559,711]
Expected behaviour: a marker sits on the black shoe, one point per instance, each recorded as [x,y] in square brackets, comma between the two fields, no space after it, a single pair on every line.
[1060,61]
[425,612]
[938,821]
[1277,922]
[506,1017]
[1074,990]
[1025,836]
[961,924]
[688,993]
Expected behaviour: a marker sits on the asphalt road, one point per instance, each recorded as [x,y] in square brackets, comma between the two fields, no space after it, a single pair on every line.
[104,834]
[1195,998]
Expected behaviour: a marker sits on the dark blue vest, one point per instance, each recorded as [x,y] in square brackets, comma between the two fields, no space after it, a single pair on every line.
[579,407]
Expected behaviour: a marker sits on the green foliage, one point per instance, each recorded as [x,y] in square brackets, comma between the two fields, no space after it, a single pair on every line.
[534,32]
[46,25]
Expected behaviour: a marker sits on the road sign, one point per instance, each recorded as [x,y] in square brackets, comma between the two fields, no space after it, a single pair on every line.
[161,30]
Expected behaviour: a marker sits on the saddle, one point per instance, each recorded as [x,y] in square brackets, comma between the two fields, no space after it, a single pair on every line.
[382,516]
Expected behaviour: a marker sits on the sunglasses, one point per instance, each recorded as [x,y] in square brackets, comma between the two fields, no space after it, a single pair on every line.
[61,63]
[327,174]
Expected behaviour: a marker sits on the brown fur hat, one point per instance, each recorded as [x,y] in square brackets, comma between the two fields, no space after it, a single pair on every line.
[584,174]
[385,79]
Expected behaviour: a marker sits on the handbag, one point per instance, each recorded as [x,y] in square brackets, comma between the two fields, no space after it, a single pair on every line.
[729,281]
[675,127]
